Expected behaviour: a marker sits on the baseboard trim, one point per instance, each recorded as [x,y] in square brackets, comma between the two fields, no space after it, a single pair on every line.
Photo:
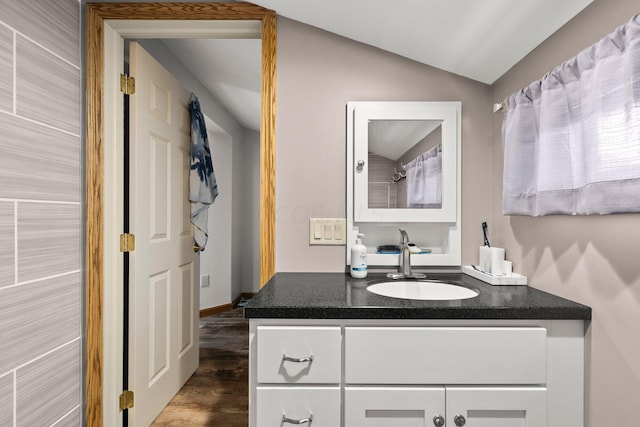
[215,310]
[225,307]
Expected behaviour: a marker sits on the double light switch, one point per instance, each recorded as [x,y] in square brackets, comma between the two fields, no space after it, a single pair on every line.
[327,231]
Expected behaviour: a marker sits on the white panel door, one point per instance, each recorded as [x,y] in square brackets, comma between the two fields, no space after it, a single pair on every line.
[164,268]
[497,406]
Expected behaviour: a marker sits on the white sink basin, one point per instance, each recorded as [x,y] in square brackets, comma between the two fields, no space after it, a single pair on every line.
[422,290]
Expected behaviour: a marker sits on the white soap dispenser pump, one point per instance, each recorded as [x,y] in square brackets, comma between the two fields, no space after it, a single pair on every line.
[359,259]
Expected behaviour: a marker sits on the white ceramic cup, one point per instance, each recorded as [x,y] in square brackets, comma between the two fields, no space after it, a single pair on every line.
[484,259]
[497,258]
[507,268]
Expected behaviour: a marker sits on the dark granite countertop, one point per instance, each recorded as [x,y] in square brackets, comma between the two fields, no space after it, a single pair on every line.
[339,296]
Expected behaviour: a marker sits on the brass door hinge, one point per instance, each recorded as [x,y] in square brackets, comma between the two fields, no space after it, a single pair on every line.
[126,400]
[127,242]
[127,84]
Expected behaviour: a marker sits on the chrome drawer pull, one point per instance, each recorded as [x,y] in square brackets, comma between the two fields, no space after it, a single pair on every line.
[297,359]
[302,421]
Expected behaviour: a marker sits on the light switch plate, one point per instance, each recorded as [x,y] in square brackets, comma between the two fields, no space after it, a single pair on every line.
[204,280]
[327,231]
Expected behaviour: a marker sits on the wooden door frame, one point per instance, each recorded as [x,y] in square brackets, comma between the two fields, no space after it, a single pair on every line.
[96,14]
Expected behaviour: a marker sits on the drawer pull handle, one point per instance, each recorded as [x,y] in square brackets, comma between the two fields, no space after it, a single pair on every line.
[297,359]
[301,421]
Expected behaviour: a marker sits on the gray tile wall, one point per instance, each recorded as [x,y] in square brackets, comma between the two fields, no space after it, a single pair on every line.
[6,400]
[6,69]
[7,244]
[40,214]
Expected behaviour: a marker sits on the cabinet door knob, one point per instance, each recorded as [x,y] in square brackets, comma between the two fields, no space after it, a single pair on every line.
[300,421]
[438,421]
[297,359]
[360,165]
[459,420]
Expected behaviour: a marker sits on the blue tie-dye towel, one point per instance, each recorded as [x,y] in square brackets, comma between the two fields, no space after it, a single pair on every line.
[203,189]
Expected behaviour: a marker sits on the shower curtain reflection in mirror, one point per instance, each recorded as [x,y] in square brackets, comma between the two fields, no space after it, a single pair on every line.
[405,164]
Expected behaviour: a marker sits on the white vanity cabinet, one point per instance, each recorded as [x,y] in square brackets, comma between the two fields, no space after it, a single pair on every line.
[403,373]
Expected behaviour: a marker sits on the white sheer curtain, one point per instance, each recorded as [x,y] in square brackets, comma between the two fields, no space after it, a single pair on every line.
[572,139]
[424,180]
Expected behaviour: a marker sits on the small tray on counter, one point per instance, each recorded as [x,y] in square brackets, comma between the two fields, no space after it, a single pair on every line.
[513,279]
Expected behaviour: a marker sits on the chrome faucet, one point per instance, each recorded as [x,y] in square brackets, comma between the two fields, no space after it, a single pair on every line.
[404,266]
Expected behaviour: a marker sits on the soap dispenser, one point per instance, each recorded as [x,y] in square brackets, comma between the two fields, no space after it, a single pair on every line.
[359,259]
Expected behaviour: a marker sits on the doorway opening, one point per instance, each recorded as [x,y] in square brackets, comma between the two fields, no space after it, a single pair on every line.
[103,50]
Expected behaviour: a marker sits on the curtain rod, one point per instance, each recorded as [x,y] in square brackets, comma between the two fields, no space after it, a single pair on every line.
[619,38]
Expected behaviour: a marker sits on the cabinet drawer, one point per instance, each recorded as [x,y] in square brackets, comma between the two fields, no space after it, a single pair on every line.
[283,406]
[445,355]
[299,354]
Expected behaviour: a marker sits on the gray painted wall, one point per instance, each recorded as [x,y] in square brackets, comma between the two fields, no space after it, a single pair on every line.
[40,214]
[594,259]
[249,172]
[318,73]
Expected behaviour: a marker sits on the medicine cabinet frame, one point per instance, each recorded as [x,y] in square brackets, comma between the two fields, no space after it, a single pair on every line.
[361,113]
[379,225]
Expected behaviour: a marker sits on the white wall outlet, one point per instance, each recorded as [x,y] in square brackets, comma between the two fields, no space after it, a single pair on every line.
[204,280]
[327,231]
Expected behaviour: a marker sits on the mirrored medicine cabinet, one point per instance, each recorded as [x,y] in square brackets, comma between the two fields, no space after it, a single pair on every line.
[403,171]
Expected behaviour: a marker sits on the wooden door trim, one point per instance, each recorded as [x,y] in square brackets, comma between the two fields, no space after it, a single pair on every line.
[96,13]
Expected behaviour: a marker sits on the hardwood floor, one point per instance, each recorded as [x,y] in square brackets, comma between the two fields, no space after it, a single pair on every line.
[218,392]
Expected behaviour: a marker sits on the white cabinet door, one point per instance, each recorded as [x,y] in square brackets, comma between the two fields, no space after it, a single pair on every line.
[308,406]
[465,406]
[497,406]
[393,406]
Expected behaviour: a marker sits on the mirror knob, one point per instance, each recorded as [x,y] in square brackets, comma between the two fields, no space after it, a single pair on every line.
[360,165]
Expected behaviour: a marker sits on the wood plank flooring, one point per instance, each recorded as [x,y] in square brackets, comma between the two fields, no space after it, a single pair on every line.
[218,392]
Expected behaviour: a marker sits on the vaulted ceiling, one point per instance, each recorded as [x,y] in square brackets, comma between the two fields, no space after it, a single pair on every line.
[478,39]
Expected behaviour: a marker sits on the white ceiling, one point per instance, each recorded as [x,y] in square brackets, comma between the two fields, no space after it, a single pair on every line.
[230,69]
[478,39]
[391,139]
